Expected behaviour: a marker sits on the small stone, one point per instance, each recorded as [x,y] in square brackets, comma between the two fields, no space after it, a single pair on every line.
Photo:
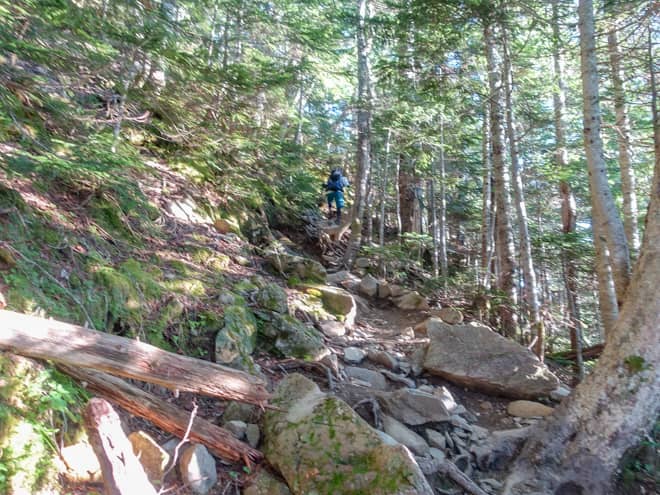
[447,399]
[437,454]
[450,315]
[383,358]
[368,286]
[198,469]
[253,435]
[396,290]
[408,333]
[560,393]
[237,428]
[240,411]
[486,406]
[528,409]
[436,439]
[354,355]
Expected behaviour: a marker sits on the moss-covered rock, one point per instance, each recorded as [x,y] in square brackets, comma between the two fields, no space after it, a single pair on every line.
[284,261]
[337,301]
[236,340]
[292,338]
[273,298]
[320,445]
[265,483]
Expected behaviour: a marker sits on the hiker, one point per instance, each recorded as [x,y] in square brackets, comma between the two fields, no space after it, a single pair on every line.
[335,187]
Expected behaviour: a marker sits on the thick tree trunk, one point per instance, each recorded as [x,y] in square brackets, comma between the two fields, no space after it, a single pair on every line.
[503,234]
[363,135]
[568,205]
[76,346]
[165,416]
[526,260]
[607,223]
[622,129]
[579,447]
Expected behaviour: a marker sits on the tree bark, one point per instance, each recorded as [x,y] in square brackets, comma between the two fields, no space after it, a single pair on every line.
[76,346]
[622,129]
[486,204]
[407,200]
[579,447]
[503,233]
[122,472]
[526,260]
[363,135]
[568,205]
[607,223]
[165,416]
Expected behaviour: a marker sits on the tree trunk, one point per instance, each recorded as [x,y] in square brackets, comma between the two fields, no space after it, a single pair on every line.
[578,448]
[442,220]
[363,135]
[568,205]
[165,416]
[529,276]
[407,200]
[76,346]
[605,217]
[503,233]
[383,199]
[486,204]
[622,129]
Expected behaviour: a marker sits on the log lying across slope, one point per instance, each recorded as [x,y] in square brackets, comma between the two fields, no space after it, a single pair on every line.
[165,416]
[79,347]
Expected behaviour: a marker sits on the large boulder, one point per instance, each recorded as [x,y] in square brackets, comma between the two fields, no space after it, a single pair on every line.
[368,286]
[320,445]
[292,338]
[236,340]
[476,357]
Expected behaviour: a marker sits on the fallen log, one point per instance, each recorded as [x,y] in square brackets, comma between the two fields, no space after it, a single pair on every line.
[122,472]
[165,416]
[592,352]
[77,346]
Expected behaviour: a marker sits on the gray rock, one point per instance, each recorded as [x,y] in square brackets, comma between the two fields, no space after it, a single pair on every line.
[447,399]
[560,393]
[451,316]
[408,382]
[236,341]
[417,360]
[247,413]
[362,262]
[411,300]
[437,454]
[476,357]
[338,302]
[368,286]
[292,338]
[316,441]
[338,277]
[237,428]
[197,469]
[413,407]
[383,289]
[496,452]
[332,328]
[383,358]
[436,439]
[354,355]
[253,435]
[405,436]
[396,290]
[428,464]
[375,379]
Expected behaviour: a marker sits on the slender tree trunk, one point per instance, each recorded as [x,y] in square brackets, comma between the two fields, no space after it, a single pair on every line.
[578,449]
[529,276]
[397,190]
[503,233]
[407,199]
[434,221]
[363,135]
[442,220]
[383,198]
[568,205]
[486,212]
[607,223]
[654,97]
[301,106]
[622,129]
